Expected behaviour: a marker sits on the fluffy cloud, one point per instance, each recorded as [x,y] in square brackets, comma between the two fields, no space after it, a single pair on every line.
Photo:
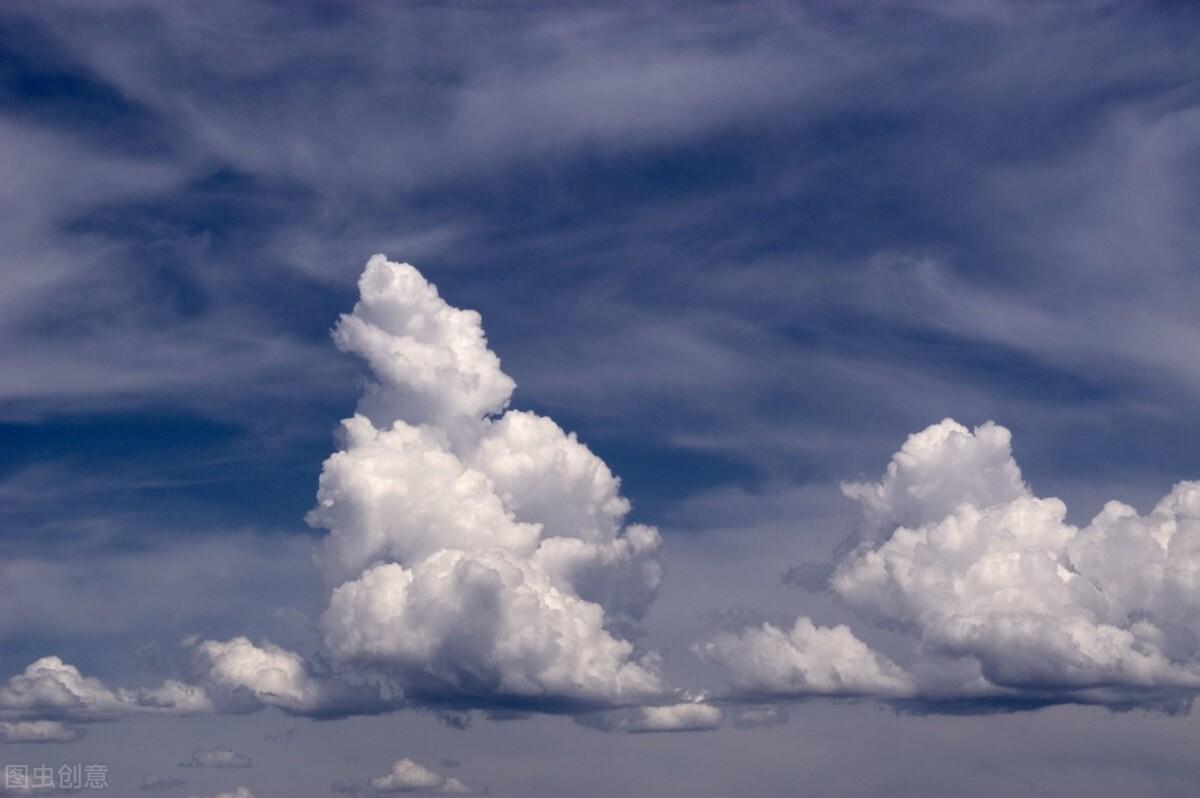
[805,660]
[406,776]
[1003,599]
[219,757]
[998,576]
[476,555]
[39,731]
[50,689]
[431,361]
[937,470]
[267,674]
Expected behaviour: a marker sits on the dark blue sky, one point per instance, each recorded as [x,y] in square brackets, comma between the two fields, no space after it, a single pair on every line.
[742,250]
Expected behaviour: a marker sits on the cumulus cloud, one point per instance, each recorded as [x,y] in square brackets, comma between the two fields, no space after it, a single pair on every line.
[406,776]
[1002,598]
[478,556]
[219,757]
[271,674]
[50,689]
[39,731]
[805,660]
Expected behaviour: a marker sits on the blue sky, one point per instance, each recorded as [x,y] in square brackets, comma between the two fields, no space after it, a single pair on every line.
[742,251]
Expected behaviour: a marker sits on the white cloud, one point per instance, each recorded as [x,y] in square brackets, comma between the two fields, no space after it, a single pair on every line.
[431,361]
[1002,597]
[270,674]
[219,757]
[1000,578]
[483,622]
[474,555]
[38,731]
[937,470]
[479,555]
[51,689]
[805,660]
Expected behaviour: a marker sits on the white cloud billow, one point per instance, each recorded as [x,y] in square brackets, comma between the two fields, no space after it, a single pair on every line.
[267,674]
[50,689]
[477,555]
[1005,600]
[804,660]
[474,555]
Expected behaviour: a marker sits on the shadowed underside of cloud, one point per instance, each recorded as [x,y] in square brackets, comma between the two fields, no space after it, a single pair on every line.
[1006,604]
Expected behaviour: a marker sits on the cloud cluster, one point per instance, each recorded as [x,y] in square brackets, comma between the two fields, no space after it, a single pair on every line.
[50,689]
[477,554]
[475,557]
[1004,600]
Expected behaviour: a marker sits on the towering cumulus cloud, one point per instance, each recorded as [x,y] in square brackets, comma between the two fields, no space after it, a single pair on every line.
[475,554]
[1004,599]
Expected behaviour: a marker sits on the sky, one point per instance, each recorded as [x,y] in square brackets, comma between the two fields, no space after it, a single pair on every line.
[600,399]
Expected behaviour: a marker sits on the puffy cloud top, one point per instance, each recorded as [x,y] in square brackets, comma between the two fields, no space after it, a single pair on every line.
[431,361]
[938,469]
